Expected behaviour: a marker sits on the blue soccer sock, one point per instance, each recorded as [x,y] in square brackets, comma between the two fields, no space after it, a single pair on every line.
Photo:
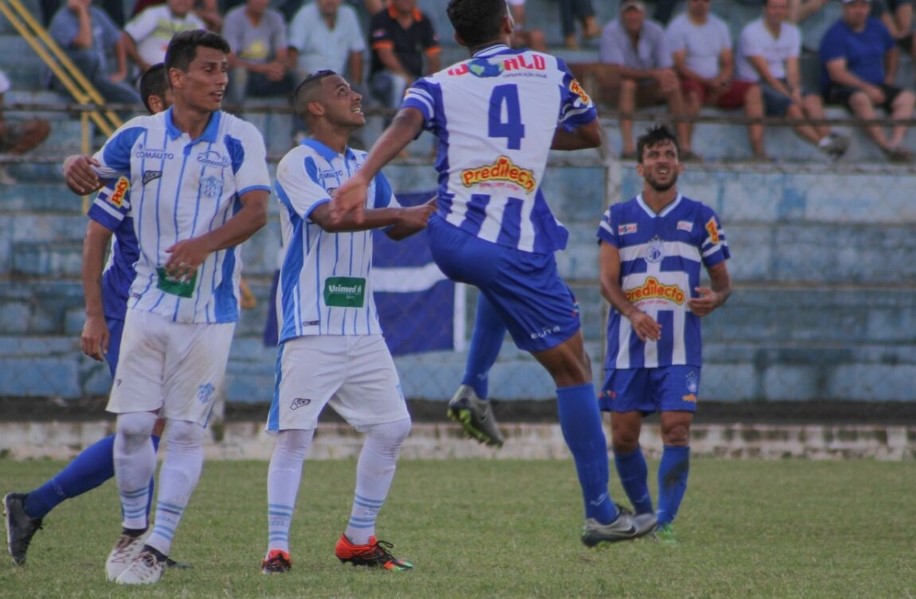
[633,476]
[92,467]
[672,481]
[580,421]
[486,341]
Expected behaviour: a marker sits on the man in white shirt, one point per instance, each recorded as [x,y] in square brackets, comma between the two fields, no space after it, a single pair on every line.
[326,35]
[149,33]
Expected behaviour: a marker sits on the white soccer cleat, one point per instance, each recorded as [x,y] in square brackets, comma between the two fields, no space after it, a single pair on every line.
[147,568]
[124,552]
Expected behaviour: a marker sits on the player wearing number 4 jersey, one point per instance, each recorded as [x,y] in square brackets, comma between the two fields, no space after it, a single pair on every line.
[496,116]
[652,249]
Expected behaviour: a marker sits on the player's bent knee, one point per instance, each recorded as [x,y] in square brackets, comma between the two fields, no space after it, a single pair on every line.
[135,427]
[393,433]
[184,433]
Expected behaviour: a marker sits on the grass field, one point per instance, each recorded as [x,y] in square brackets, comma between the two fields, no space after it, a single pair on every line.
[478,528]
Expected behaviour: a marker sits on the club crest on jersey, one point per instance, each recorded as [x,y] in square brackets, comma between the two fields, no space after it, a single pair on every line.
[205,393]
[655,252]
[502,169]
[713,231]
[211,187]
[693,383]
[655,289]
[626,229]
[119,192]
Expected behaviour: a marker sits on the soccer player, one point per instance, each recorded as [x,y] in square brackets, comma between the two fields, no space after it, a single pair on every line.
[199,188]
[496,117]
[651,251]
[105,288]
[331,347]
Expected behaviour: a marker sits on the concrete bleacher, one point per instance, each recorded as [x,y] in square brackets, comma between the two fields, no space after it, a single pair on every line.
[823,303]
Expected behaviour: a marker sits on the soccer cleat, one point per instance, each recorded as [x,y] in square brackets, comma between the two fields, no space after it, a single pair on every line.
[19,527]
[276,562]
[147,568]
[625,528]
[475,416]
[664,534]
[374,554]
[123,554]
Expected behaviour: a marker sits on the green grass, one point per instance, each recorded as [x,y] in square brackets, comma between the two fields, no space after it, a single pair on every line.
[476,528]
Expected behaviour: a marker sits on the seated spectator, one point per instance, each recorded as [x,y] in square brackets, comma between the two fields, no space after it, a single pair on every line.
[637,48]
[207,10]
[768,52]
[859,62]
[897,16]
[524,37]
[570,11]
[114,8]
[258,61]
[397,36]
[326,36]
[701,46]
[149,33]
[814,18]
[90,38]
[18,137]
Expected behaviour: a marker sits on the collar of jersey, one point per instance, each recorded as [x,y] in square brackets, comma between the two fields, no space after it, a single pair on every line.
[209,134]
[665,211]
[323,150]
[491,50]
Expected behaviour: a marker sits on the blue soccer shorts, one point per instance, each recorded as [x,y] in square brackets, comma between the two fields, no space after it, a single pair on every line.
[649,390]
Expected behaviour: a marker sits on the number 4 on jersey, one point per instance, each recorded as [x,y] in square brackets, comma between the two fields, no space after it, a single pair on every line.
[512,127]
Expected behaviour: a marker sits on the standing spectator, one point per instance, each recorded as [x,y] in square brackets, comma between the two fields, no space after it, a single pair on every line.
[331,346]
[570,11]
[18,137]
[651,250]
[258,60]
[149,33]
[525,37]
[401,37]
[325,35]
[858,65]
[90,39]
[184,300]
[768,52]
[703,57]
[638,50]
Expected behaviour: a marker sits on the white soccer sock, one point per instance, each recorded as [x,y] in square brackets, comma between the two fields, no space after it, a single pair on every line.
[283,476]
[184,459]
[374,473]
[135,464]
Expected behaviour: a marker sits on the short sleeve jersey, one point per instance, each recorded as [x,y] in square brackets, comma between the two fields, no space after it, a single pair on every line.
[863,51]
[325,284]
[495,116]
[320,47]
[180,189]
[756,40]
[408,44]
[111,209]
[660,260]
[256,43]
[701,44]
[651,52]
[153,29]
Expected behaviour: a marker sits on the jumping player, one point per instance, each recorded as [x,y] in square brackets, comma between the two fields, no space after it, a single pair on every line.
[496,116]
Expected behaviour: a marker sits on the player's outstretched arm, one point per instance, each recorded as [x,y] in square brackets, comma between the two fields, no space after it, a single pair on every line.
[351,196]
[79,176]
[402,222]
[412,220]
[95,335]
[580,138]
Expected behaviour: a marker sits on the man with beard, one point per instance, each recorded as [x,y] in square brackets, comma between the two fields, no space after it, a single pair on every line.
[651,250]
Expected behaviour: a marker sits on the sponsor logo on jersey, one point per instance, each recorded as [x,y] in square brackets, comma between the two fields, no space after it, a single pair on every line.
[119,192]
[690,397]
[153,154]
[213,158]
[151,176]
[486,67]
[575,88]
[501,170]
[546,332]
[655,289]
[322,175]
[713,231]
[626,229]
[684,225]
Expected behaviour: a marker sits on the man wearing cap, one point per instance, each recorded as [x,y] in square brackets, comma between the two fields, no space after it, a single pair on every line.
[637,49]
[858,64]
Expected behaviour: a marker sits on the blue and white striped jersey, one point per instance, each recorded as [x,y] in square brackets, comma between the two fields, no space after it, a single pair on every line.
[111,209]
[495,115]
[181,189]
[660,260]
[325,279]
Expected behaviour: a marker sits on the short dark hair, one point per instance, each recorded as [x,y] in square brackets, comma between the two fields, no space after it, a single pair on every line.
[477,21]
[153,83]
[183,48]
[305,91]
[654,136]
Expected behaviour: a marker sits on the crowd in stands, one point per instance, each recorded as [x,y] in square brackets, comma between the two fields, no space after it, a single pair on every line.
[686,61]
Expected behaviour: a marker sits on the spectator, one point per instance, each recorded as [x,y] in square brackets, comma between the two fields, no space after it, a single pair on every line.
[702,50]
[768,54]
[570,10]
[19,137]
[524,37]
[397,35]
[114,8]
[897,16]
[149,33]
[858,65]
[89,37]
[208,11]
[637,48]
[325,35]
[258,61]
[814,17]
